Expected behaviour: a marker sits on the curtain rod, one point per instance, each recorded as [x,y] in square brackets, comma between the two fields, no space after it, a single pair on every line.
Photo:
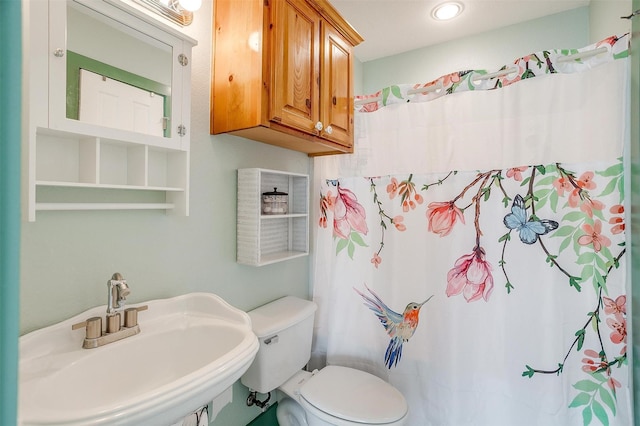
[438,86]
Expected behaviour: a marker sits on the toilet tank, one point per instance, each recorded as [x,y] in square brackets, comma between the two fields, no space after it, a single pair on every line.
[284,328]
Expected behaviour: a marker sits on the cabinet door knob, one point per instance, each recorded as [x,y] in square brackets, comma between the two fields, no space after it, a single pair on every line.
[328,130]
[334,100]
[58,53]
[319,126]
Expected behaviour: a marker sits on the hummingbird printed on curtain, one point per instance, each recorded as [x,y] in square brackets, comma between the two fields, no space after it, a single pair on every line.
[400,327]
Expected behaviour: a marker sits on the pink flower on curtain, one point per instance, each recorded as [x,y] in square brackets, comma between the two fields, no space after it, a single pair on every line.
[617,221]
[326,204]
[619,327]
[593,362]
[561,185]
[516,173]
[443,216]
[593,235]
[348,214]
[392,188]
[588,206]
[397,222]
[471,276]
[408,194]
[376,260]
[615,307]
[586,181]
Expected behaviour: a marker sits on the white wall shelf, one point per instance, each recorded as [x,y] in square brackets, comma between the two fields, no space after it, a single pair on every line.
[265,239]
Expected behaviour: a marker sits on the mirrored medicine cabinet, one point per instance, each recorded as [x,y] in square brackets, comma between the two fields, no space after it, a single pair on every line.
[109,108]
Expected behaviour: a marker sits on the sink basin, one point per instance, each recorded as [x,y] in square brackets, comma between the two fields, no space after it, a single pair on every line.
[190,349]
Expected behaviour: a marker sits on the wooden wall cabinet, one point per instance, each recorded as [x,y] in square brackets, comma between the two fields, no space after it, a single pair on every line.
[282,74]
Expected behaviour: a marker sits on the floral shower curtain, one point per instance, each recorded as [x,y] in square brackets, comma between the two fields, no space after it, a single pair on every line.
[472,251]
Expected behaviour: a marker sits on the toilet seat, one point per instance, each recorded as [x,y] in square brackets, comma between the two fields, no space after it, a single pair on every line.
[352,395]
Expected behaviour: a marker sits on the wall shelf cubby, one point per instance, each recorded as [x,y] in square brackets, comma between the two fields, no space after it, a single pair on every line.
[69,161]
[264,239]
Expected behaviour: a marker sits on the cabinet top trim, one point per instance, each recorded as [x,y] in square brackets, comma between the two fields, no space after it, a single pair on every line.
[331,14]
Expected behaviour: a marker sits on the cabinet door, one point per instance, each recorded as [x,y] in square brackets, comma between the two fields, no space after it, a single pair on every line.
[335,96]
[295,65]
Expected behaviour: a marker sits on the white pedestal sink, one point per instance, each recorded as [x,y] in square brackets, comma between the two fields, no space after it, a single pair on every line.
[191,348]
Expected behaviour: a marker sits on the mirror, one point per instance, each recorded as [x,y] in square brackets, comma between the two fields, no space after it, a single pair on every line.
[116,76]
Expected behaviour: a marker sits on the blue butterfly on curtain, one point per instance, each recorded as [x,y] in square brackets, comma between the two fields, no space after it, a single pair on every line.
[529,229]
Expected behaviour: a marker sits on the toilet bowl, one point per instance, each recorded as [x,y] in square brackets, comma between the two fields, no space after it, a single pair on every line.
[333,395]
[341,396]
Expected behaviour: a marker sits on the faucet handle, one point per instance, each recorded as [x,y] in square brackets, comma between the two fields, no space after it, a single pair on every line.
[93,327]
[131,315]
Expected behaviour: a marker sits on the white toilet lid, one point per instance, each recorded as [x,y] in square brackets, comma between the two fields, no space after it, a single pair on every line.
[354,395]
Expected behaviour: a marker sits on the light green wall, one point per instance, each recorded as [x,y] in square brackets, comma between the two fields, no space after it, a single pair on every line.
[492,49]
[10,107]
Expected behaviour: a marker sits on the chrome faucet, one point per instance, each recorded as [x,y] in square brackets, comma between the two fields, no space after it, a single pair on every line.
[117,294]
[118,290]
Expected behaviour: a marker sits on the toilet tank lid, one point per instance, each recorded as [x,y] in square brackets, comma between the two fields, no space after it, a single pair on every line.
[282,313]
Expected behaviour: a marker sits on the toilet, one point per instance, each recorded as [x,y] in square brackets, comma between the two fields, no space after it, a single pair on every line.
[333,395]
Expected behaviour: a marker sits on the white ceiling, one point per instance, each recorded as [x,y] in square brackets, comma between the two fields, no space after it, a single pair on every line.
[395,26]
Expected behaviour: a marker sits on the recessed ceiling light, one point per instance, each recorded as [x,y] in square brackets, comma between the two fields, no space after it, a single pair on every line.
[446,11]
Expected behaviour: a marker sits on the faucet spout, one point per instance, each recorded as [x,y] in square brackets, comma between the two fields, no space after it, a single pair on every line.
[118,290]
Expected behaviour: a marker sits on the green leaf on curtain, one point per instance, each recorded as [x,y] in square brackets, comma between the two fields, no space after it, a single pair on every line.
[342,244]
[505,237]
[586,385]
[580,335]
[623,54]
[621,189]
[547,180]
[487,193]
[598,214]
[600,413]
[351,248]
[581,399]
[385,95]
[600,263]
[509,287]
[587,415]
[609,188]
[565,243]
[550,259]
[553,199]
[585,258]
[564,231]
[573,216]
[540,168]
[528,74]
[541,196]
[396,92]
[573,282]
[599,281]
[357,238]
[606,397]
[615,170]
[587,272]
[529,372]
